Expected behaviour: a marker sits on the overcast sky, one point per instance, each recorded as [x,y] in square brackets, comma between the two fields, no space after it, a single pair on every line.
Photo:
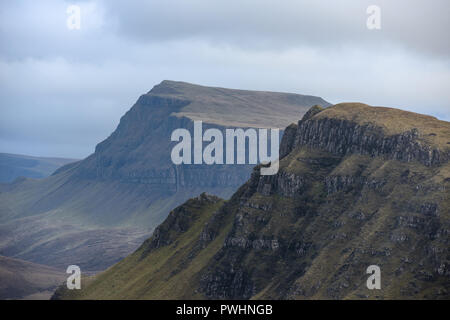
[62,91]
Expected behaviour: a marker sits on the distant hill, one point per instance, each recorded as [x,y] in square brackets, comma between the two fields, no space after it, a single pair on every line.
[129,185]
[357,186]
[25,280]
[13,166]
[237,108]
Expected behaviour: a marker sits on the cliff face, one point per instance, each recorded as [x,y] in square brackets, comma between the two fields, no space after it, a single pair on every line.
[129,184]
[357,186]
[139,151]
[136,155]
[343,136]
[348,195]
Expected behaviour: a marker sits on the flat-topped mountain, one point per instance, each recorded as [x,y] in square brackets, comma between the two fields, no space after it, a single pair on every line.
[129,184]
[358,186]
[260,109]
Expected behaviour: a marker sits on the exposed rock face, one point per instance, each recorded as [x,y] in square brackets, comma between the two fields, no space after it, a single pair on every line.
[284,183]
[340,206]
[311,230]
[342,137]
[129,154]
[178,221]
[130,180]
[287,143]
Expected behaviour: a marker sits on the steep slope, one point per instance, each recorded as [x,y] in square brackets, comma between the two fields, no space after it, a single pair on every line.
[173,250]
[357,186]
[13,166]
[130,180]
[24,280]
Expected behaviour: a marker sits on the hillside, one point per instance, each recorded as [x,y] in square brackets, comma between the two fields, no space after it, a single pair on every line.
[24,280]
[85,210]
[13,166]
[357,186]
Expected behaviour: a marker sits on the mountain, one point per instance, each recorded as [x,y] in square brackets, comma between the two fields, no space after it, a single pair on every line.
[357,186]
[26,280]
[13,166]
[98,210]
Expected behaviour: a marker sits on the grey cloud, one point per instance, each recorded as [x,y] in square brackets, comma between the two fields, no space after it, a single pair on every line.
[32,28]
[62,91]
[271,24]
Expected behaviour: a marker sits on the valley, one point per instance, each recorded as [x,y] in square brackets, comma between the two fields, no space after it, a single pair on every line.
[96,211]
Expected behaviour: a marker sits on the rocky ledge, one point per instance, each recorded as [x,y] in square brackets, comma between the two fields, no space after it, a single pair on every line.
[342,136]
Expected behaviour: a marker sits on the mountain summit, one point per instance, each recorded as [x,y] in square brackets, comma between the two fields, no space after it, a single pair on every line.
[237,108]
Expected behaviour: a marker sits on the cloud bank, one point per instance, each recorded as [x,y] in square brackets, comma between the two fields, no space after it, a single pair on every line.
[63,91]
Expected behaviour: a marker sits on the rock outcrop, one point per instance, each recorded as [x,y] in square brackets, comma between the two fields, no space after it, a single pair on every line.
[353,190]
[344,136]
[130,182]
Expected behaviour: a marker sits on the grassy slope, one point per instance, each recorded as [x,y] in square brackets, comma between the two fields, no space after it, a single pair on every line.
[145,276]
[359,227]
[128,182]
[326,238]
[393,121]
[343,245]
[98,202]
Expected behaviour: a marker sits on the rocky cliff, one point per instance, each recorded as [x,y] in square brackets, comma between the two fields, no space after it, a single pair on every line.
[357,186]
[95,211]
[344,135]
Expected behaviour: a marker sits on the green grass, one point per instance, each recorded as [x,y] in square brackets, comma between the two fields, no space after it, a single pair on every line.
[392,121]
[326,239]
[148,275]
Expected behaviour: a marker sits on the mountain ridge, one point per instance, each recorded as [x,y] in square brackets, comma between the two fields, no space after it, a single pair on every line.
[13,166]
[402,140]
[129,184]
[311,230]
